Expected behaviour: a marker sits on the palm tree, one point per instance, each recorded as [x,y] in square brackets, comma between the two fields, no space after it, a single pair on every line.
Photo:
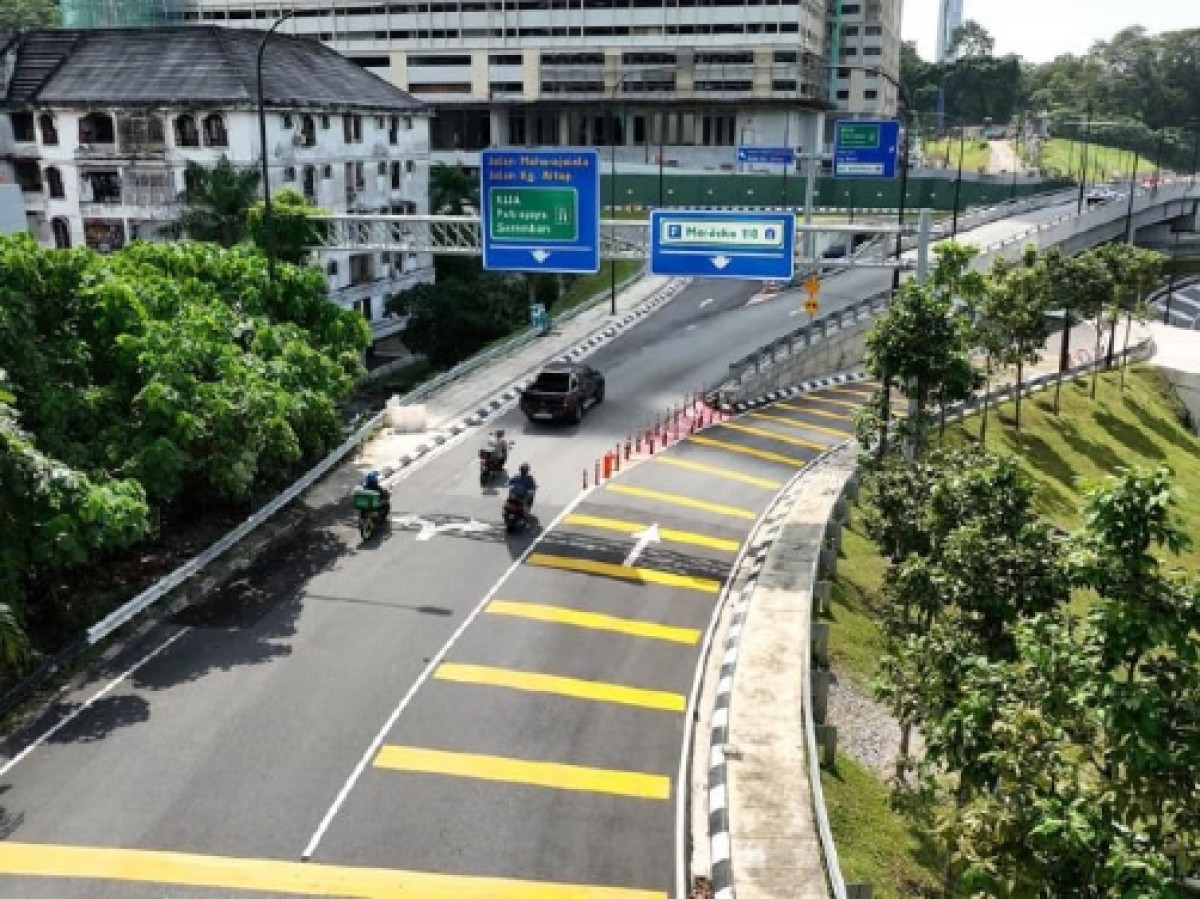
[217,200]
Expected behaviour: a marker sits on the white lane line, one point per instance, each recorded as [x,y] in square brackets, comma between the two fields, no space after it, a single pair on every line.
[704,303]
[373,748]
[100,694]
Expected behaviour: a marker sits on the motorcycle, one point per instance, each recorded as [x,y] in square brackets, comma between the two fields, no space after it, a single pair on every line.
[491,463]
[372,511]
[515,512]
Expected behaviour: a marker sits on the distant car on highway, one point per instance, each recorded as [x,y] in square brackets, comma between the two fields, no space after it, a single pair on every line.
[562,391]
[1099,195]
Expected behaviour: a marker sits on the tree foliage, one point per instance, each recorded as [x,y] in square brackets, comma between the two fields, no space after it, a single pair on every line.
[293,228]
[216,201]
[151,381]
[28,14]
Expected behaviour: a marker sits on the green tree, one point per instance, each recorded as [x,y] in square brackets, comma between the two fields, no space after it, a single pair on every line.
[1013,323]
[971,39]
[451,320]
[294,231]
[452,190]
[23,15]
[217,201]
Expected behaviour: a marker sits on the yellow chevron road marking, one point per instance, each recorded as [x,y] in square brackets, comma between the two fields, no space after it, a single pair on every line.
[748,451]
[625,572]
[675,499]
[536,774]
[803,425]
[594,621]
[775,435]
[717,471]
[667,534]
[268,876]
[532,682]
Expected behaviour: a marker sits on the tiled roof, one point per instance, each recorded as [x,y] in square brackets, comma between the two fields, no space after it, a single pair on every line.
[189,65]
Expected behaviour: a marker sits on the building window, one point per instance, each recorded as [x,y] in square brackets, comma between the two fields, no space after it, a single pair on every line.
[141,132]
[49,132]
[62,233]
[310,184]
[97,128]
[352,129]
[215,134]
[410,167]
[103,187]
[308,131]
[186,133]
[851,9]
[22,126]
[395,176]
[843,95]
[326,172]
[393,129]
[324,123]
[331,268]
[28,175]
[870,95]
[872,51]
[361,268]
[849,31]
[873,31]
[289,173]
[379,122]
[54,183]
[287,120]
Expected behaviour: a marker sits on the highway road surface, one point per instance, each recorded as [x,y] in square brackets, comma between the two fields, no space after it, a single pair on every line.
[447,711]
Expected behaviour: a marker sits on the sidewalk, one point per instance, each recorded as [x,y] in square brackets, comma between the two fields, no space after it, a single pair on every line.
[478,395]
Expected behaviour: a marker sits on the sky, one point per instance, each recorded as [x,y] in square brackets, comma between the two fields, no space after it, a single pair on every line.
[1040,30]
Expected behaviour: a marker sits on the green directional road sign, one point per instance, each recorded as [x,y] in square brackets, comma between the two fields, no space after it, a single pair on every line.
[856,136]
[534,213]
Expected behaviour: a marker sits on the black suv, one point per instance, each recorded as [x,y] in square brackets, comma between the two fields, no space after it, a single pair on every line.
[563,391]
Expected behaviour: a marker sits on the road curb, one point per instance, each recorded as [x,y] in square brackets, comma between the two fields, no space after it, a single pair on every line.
[790,392]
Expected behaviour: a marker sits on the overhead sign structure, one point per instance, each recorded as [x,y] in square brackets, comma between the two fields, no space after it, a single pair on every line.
[541,210]
[700,244]
[767,155]
[866,149]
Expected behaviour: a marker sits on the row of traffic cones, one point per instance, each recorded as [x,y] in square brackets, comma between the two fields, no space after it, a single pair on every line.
[672,425]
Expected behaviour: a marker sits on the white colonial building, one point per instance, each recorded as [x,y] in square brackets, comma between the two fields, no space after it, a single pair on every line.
[97,128]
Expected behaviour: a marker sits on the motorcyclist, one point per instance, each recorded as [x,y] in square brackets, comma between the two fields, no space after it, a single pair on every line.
[497,448]
[523,486]
[371,482]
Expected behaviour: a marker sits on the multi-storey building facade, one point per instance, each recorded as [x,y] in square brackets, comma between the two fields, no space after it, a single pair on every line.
[686,80]
[866,37]
[950,19]
[97,128]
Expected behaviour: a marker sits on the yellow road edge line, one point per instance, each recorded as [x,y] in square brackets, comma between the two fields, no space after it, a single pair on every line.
[820,413]
[271,876]
[775,435]
[748,451]
[802,425]
[719,472]
[687,502]
[625,572]
[576,688]
[553,775]
[668,534]
[594,621]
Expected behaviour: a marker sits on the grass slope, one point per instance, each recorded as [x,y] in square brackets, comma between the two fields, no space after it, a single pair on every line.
[976,154]
[1142,426]
[1064,156]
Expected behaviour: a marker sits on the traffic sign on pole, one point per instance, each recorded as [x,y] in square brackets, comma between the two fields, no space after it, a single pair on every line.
[748,245]
[865,149]
[541,210]
[766,155]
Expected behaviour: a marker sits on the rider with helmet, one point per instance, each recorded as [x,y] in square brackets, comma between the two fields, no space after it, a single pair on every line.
[498,448]
[524,486]
[371,482]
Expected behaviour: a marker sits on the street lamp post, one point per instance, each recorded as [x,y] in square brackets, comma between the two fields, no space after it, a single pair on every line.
[1087,135]
[268,236]
[962,131]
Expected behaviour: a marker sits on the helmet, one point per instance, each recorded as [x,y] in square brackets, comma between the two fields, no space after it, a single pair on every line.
[524,468]
[500,432]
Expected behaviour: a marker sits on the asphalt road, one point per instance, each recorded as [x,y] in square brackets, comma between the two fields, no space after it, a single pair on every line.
[290,717]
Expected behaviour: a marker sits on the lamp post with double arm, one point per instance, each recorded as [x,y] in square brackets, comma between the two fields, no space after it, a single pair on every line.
[268,236]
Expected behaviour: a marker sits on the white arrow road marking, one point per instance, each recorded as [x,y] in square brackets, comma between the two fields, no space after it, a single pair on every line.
[721,261]
[539,255]
[642,540]
[704,303]
[428,529]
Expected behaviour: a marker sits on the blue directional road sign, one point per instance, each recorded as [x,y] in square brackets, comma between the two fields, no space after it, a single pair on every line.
[541,210]
[749,245]
[865,149]
[766,155]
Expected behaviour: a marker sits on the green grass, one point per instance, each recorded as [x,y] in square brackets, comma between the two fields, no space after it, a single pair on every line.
[976,153]
[589,285]
[1139,427]
[1061,155]
[874,843]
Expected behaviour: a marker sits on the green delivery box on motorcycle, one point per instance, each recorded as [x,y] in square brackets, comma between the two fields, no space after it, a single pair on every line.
[367,500]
